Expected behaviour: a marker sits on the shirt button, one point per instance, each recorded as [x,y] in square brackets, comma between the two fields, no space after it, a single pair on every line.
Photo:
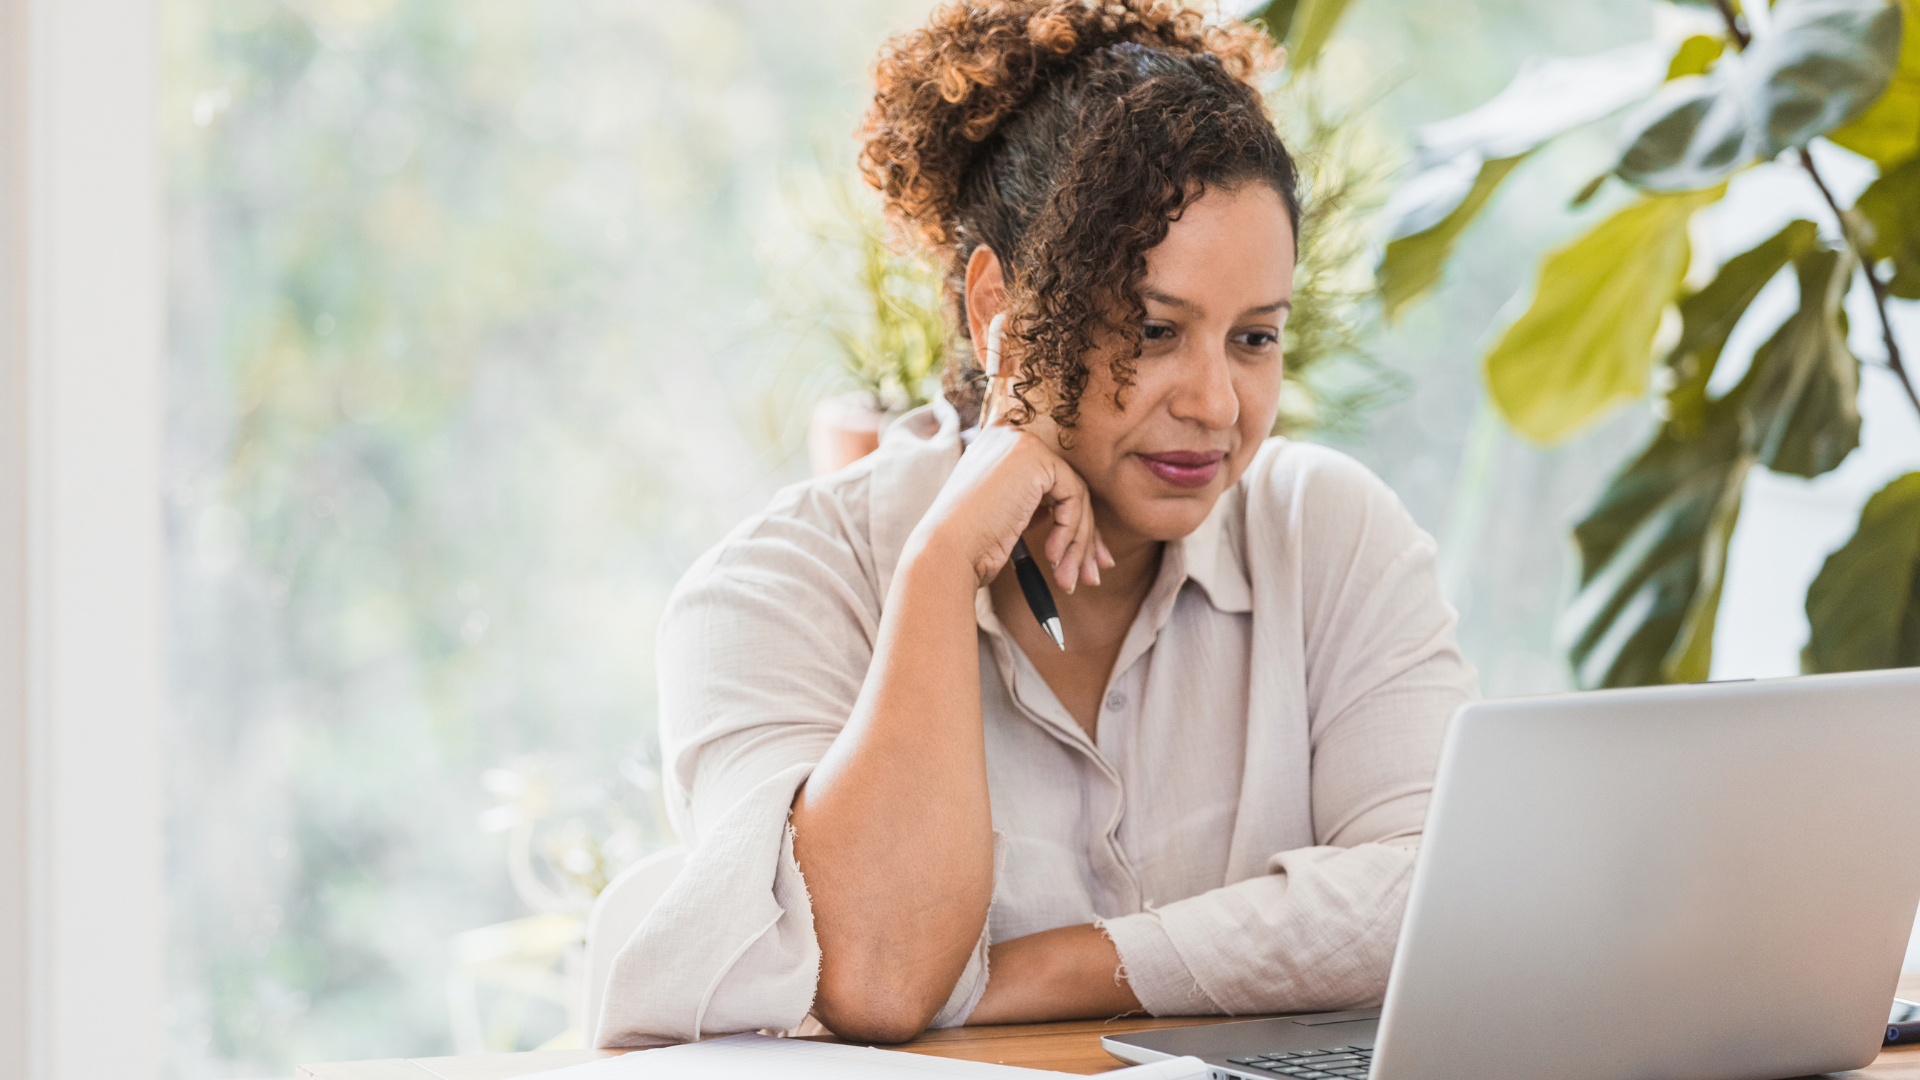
[1116,701]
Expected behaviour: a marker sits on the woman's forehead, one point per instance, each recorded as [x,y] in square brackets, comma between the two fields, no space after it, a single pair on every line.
[1230,251]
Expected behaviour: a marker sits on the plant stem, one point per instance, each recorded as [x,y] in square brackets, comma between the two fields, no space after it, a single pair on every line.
[1740,37]
[1879,287]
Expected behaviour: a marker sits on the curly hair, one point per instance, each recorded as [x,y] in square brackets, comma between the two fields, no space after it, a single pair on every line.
[1066,136]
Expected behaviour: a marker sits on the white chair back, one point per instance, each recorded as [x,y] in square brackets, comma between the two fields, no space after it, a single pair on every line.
[616,914]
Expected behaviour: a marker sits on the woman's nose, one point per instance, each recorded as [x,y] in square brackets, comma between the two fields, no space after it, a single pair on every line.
[1206,395]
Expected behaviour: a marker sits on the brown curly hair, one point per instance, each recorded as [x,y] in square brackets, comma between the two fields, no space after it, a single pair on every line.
[1066,135]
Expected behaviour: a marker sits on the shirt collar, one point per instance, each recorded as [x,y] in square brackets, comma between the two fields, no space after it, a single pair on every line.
[1214,555]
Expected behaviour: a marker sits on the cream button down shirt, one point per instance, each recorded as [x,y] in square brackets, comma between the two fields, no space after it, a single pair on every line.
[1243,828]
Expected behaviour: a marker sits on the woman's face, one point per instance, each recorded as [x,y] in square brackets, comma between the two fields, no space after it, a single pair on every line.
[1206,387]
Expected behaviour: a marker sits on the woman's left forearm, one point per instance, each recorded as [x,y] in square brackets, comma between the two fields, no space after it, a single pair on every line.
[1068,973]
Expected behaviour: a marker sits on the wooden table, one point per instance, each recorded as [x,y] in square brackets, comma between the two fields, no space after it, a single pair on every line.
[1070,1047]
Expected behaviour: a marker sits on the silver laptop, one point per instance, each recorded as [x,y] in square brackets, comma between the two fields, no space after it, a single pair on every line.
[1714,882]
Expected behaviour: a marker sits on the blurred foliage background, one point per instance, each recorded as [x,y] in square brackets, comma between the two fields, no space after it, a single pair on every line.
[469,360]
[487,318]
[1635,304]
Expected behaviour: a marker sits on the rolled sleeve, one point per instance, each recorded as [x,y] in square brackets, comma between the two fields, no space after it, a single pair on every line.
[1317,934]
[730,946]
[762,653]
[1153,968]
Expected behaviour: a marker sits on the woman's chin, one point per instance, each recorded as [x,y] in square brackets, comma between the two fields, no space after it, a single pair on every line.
[1164,519]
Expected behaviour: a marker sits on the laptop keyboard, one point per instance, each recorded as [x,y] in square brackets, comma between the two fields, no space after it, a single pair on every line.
[1342,1062]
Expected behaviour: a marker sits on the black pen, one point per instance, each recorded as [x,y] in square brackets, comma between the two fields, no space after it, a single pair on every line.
[1033,583]
[1033,580]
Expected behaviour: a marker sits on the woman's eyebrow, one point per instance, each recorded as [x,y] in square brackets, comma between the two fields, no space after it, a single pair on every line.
[1159,297]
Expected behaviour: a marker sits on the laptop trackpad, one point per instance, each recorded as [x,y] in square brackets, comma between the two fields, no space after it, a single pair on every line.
[1353,1029]
[1323,1019]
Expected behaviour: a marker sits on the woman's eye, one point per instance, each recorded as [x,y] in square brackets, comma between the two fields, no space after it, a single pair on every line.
[1258,339]
[1155,332]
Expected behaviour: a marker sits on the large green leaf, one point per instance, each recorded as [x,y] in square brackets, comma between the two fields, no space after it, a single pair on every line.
[1892,205]
[1889,131]
[1653,555]
[1709,316]
[1585,344]
[1653,550]
[1312,26]
[1412,264]
[1277,17]
[1802,390]
[1548,96]
[1303,26]
[1695,56]
[1864,607]
[1823,63]
[1687,136]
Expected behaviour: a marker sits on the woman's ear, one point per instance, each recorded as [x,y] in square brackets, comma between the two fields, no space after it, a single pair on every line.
[986,297]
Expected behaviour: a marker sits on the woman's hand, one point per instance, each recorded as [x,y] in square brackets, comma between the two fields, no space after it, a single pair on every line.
[1007,481]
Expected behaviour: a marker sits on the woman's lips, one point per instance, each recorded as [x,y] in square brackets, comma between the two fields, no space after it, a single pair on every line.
[1184,468]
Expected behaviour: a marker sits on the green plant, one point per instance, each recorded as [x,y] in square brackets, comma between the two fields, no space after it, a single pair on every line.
[896,352]
[877,304]
[1653,549]
[1332,377]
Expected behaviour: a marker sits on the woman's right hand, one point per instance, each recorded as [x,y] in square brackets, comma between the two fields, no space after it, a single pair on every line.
[1008,480]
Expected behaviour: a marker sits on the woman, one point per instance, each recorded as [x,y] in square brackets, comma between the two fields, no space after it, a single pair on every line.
[909,806]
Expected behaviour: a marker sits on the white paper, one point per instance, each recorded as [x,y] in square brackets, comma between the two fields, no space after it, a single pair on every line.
[758,1057]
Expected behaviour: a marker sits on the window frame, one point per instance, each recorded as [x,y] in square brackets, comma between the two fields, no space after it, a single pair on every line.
[81,420]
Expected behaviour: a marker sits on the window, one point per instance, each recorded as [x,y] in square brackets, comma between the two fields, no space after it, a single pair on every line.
[471,353]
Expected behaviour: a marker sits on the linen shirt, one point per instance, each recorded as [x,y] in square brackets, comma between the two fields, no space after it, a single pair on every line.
[1242,828]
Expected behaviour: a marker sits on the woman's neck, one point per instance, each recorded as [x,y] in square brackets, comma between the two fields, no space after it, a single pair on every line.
[1094,618]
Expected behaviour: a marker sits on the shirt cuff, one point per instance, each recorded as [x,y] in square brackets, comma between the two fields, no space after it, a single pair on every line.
[1153,968]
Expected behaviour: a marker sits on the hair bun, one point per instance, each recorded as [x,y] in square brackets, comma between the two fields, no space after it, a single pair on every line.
[941,91]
